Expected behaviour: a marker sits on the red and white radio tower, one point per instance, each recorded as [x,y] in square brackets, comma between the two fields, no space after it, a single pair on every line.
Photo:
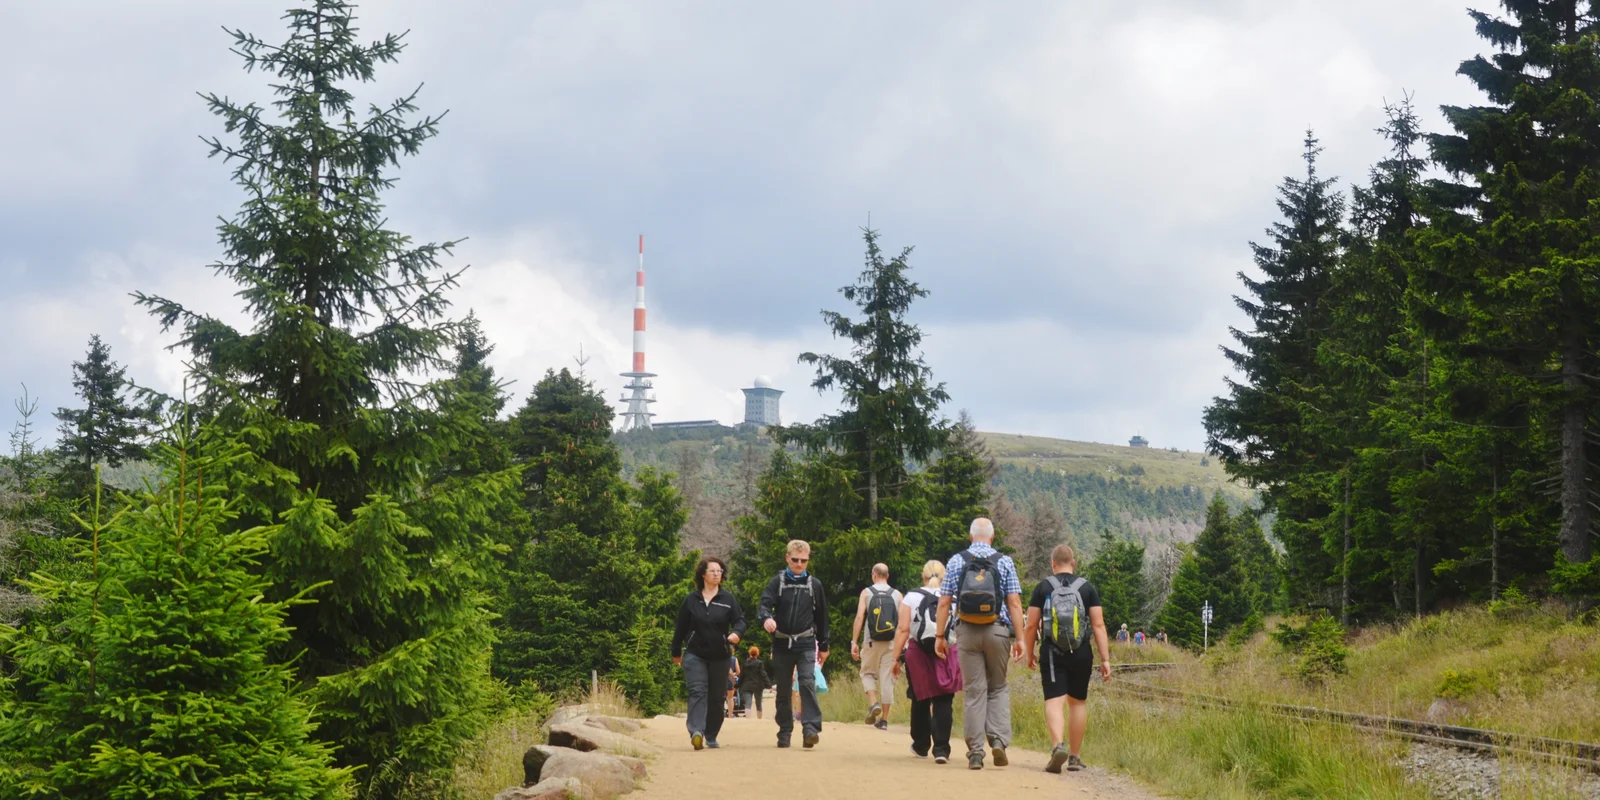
[638,415]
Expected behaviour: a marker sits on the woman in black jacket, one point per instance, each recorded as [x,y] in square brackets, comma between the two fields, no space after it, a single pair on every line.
[709,622]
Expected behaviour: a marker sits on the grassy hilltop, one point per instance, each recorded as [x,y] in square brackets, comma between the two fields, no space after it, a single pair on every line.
[1150,466]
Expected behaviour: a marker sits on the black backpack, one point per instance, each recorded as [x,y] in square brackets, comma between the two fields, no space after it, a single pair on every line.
[883,614]
[978,594]
[925,621]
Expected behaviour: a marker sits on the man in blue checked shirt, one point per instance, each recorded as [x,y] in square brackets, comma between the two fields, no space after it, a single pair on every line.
[982,585]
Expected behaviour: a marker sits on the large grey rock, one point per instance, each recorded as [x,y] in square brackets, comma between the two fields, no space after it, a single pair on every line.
[605,776]
[583,737]
[537,761]
[565,714]
[564,788]
[613,724]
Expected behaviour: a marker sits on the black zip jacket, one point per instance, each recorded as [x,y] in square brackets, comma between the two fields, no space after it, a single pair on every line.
[703,627]
[799,606]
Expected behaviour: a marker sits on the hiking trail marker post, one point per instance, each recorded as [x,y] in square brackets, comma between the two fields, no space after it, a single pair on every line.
[1205,619]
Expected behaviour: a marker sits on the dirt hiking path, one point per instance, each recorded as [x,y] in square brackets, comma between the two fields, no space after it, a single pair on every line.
[851,761]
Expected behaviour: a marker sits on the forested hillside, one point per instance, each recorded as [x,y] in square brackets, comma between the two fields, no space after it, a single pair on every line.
[1063,490]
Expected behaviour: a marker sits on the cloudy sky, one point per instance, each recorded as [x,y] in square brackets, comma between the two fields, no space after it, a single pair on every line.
[1080,180]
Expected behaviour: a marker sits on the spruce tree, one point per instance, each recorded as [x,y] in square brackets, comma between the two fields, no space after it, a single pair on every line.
[1117,572]
[1264,430]
[1180,616]
[1224,569]
[331,388]
[855,494]
[107,429]
[156,675]
[594,581]
[890,401]
[1513,270]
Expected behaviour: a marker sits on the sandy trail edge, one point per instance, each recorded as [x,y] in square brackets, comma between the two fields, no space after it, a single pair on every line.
[851,761]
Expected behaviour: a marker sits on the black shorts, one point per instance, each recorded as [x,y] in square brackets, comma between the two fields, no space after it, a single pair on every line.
[1065,674]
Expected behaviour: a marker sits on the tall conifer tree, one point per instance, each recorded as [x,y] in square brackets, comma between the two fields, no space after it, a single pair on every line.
[346,314]
[1264,429]
[1515,269]
[891,403]
[594,580]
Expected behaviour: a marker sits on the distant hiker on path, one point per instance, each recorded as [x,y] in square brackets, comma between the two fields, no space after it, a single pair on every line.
[1122,633]
[1063,612]
[709,623]
[878,610]
[982,585]
[753,681]
[934,680]
[795,611]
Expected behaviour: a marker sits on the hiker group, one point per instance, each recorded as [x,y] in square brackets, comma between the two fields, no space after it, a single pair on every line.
[958,631]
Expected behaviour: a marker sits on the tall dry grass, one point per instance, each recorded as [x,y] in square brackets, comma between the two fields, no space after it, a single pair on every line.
[1528,672]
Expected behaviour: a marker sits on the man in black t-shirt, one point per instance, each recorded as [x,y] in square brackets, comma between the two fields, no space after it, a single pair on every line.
[1066,677]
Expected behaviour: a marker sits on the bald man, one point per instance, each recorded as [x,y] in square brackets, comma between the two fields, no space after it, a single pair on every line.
[871,642]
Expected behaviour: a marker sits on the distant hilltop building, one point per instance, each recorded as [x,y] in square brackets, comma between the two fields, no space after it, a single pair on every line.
[761,403]
[1138,441]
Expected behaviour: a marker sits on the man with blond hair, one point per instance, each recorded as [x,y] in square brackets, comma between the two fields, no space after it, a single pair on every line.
[878,611]
[981,586]
[795,611]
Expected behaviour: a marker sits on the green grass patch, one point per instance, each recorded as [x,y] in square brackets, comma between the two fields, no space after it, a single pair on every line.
[1187,752]
[1528,672]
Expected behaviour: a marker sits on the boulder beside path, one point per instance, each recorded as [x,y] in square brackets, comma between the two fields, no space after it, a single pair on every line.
[585,737]
[552,789]
[589,757]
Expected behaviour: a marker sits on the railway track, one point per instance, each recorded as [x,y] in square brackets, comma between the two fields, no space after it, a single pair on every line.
[1583,755]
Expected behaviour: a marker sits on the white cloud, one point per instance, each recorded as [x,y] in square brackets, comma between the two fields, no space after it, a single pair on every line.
[1080,178]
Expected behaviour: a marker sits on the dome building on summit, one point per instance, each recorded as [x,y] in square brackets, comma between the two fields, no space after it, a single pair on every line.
[761,403]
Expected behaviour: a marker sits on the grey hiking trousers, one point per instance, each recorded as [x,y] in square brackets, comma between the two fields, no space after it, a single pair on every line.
[795,662]
[985,660]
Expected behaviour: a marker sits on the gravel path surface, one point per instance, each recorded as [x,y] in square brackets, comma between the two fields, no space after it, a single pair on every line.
[851,761]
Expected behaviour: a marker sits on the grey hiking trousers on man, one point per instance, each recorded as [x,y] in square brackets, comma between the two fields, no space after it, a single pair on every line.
[985,660]
[789,658]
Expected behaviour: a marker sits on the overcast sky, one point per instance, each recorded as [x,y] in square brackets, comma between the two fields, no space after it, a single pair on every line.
[1080,181]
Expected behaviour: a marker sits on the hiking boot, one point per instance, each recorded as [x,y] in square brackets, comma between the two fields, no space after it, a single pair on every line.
[941,759]
[810,739]
[783,741]
[711,744]
[999,752]
[882,725]
[918,753]
[975,759]
[1058,756]
[872,713]
[697,739]
[1074,764]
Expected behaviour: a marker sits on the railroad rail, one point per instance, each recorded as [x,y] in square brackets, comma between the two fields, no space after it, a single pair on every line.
[1584,755]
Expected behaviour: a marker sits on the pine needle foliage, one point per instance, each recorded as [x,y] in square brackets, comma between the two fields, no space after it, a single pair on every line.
[359,460]
[155,676]
[890,401]
[107,429]
[594,580]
